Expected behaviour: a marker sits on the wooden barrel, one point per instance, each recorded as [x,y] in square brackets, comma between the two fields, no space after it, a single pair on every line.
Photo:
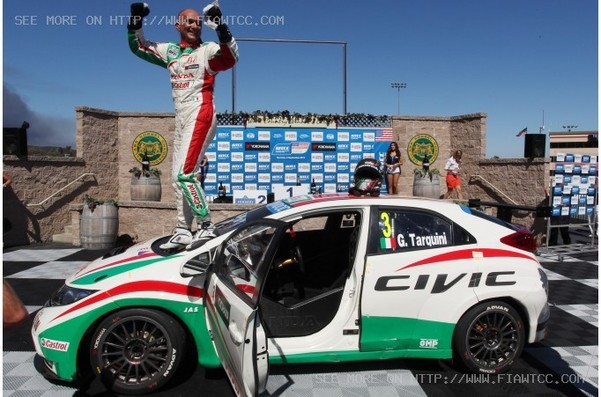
[145,188]
[98,229]
[424,187]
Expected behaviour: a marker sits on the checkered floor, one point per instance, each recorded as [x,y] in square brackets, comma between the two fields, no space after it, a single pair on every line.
[565,364]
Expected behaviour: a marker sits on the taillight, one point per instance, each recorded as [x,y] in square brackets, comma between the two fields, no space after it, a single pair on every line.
[521,240]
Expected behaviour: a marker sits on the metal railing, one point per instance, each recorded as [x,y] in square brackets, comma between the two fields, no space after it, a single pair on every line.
[493,187]
[41,203]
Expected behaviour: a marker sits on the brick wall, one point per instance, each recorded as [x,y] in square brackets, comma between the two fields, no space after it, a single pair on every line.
[104,148]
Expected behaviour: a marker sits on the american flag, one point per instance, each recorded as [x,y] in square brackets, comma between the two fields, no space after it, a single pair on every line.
[384,135]
[522,132]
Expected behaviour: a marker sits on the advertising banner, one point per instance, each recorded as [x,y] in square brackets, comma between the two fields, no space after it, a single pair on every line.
[274,159]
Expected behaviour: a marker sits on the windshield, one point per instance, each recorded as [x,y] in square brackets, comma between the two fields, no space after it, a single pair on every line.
[261,212]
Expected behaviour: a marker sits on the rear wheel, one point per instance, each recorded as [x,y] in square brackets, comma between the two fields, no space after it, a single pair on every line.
[136,351]
[489,337]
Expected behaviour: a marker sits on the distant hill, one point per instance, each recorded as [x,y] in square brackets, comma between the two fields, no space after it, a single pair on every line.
[51,151]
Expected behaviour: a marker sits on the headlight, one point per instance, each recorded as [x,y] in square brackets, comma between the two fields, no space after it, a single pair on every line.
[544,280]
[66,295]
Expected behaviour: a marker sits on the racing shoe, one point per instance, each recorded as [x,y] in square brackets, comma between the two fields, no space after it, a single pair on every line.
[180,239]
[202,235]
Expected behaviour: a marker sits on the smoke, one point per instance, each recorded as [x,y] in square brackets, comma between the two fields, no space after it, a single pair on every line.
[44,130]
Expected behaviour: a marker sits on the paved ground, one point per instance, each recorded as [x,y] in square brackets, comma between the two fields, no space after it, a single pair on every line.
[566,364]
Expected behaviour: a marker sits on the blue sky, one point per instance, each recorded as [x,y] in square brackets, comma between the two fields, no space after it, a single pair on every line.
[511,59]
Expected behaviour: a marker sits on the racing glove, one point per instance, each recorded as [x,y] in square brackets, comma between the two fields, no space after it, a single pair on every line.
[213,18]
[138,12]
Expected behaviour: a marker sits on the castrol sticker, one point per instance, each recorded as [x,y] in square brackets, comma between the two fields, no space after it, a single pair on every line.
[55,344]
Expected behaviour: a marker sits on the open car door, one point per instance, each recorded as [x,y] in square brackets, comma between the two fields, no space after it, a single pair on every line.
[233,288]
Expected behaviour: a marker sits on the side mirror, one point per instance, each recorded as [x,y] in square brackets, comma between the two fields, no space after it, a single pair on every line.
[196,266]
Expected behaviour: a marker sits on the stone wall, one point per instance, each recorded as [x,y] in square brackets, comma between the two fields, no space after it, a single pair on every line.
[104,149]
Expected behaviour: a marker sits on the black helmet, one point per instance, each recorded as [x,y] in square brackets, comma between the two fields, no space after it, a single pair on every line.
[367,178]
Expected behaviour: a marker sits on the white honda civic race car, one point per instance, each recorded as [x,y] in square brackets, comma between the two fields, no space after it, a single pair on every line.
[325,278]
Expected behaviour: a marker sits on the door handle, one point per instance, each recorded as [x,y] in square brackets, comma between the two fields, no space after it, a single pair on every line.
[235,334]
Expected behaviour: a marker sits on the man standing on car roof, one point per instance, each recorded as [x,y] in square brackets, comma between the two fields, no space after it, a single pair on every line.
[193,65]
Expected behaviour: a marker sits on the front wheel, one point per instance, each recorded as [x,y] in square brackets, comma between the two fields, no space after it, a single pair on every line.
[489,337]
[136,351]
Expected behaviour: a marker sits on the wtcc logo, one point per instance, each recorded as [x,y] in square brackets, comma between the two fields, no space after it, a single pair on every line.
[223,135]
[368,147]
[238,146]
[330,157]
[343,146]
[236,167]
[289,167]
[343,167]
[223,157]
[330,178]
[355,137]
[277,178]
[316,167]
[264,167]
[54,344]
[250,157]
[356,158]
[250,177]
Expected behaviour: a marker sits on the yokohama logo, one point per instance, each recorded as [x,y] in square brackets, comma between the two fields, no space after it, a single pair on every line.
[55,344]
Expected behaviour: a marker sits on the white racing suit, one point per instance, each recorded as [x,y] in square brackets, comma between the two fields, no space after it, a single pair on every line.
[192,71]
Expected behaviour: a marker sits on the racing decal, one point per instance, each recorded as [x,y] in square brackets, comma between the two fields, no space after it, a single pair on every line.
[391,240]
[442,283]
[136,287]
[428,343]
[54,344]
[126,265]
[478,254]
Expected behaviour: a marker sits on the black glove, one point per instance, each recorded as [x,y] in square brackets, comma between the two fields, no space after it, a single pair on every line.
[138,12]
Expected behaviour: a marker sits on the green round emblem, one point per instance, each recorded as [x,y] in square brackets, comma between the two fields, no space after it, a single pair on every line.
[151,143]
[421,145]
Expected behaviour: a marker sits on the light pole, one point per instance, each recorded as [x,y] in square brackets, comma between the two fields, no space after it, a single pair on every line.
[398,87]
[569,127]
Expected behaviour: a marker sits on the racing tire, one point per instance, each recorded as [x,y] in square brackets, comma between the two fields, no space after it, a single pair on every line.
[136,351]
[489,338]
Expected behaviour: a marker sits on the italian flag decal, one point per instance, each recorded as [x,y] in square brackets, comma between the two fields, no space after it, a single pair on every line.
[387,243]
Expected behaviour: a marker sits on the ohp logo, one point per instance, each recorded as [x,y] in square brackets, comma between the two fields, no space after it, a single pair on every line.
[54,344]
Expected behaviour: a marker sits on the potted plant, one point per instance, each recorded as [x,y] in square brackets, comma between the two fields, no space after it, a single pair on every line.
[99,223]
[145,184]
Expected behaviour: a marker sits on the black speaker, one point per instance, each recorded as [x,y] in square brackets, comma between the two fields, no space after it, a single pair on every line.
[14,141]
[535,145]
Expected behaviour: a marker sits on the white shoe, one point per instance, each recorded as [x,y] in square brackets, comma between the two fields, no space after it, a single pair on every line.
[180,239]
[202,235]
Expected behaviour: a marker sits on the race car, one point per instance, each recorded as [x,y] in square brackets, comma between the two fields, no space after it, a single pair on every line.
[308,279]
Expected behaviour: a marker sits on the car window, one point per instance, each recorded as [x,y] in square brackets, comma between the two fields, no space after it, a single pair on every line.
[409,229]
[242,254]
